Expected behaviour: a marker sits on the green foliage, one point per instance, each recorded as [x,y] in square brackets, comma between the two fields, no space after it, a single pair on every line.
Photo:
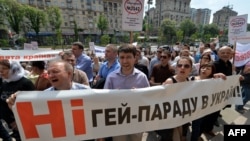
[105,39]
[21,41]
[4,43]
[188,28]
[135,37]
[13,12]
[179,35]
[102,23]
[54,17]
[113,40]
[36,18]
[168,30]
[211,29]
[125,39]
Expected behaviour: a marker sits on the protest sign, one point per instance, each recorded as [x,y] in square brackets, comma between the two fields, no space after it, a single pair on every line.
[29,55]
[92,113]
[132,15]
[242,54]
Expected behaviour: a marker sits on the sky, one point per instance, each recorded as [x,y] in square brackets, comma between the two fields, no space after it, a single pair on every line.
[240,6]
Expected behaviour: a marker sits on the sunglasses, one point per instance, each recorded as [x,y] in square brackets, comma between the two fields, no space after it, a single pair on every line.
[159,51]
[164,57]
[186,66]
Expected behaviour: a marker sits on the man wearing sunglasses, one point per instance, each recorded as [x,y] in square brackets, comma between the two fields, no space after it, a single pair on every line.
[161,71]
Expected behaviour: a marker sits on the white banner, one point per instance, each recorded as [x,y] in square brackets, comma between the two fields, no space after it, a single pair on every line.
[242,54]
[132,15]
[29,55]
[237,26]
[86,114]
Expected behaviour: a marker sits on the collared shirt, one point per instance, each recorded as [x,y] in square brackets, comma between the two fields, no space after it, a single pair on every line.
[84,63]
[105,69]
[117,80]
[75,86]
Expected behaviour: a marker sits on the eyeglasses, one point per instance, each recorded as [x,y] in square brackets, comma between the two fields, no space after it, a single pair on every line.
[186,66]
[164,57]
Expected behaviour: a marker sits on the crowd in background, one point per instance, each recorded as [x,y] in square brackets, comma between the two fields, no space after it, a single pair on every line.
[123,67]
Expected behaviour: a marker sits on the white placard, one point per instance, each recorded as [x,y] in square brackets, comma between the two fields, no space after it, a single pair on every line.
[132,15]
[237,26]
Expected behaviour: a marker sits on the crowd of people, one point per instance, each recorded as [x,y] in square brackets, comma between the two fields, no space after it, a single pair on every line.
[124,67]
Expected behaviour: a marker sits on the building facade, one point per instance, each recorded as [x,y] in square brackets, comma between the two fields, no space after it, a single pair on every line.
[176,10]
[200,16]
[84,12]
[221,17]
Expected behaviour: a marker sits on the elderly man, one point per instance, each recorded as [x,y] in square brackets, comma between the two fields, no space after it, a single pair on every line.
[60,75]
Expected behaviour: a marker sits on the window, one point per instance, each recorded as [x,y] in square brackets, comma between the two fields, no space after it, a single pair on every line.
[66,24]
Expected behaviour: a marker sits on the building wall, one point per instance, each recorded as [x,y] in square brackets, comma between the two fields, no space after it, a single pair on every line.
[176,10]
[84,12]
[221,17]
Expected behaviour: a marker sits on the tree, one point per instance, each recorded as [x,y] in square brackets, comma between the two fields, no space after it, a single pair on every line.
[55,21]
[13,13]
[179,35]
[188,28]
[102,23]
[168,29]
[211,29]
[105,39]
[36,18]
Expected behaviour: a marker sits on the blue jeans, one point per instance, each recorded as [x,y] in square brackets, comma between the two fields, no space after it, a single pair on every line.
[245,90]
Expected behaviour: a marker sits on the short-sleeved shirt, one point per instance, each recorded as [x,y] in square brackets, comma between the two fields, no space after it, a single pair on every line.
[105,69]
[161,73]
[117,80]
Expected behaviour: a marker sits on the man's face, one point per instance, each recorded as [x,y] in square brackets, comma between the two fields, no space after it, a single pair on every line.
[127,60]
[76,50]
[225,54]
[164,59]
[58,76]
[70,59]
[110,54]
[159,51]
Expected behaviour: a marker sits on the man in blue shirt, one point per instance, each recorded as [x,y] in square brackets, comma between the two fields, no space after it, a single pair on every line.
[83,62]
[110,64]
